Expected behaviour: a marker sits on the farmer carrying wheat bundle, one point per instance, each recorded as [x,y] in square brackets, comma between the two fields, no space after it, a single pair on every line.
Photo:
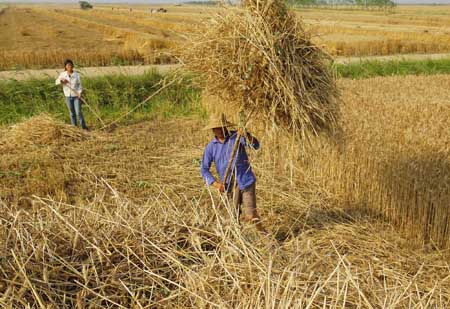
[240,186]
[72,91]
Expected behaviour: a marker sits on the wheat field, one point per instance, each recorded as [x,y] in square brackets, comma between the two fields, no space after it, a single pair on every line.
[108,35]
[122,218]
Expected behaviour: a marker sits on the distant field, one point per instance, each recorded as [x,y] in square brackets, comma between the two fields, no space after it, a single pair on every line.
[42,36]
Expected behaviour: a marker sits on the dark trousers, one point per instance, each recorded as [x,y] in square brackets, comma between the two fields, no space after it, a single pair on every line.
[246,197]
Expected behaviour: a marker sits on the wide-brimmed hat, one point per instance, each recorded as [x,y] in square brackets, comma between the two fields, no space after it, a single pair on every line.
[218,121]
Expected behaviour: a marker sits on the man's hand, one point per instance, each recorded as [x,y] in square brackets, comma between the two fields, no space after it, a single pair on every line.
[79,95]
[219,186]
[245,134]
[64,81]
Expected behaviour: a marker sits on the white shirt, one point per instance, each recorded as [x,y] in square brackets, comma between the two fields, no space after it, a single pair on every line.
[74,83]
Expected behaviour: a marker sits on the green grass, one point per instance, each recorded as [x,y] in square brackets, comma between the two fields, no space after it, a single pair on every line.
[114,95]
[110,96]
[366,69]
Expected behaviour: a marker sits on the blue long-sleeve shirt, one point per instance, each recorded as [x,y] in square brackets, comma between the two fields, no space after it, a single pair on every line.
[220,154]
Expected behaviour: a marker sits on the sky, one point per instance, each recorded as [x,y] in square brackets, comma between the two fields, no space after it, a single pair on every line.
[178,1]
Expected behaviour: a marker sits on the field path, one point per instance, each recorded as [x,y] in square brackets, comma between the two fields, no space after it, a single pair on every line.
[87,72]
[140,69]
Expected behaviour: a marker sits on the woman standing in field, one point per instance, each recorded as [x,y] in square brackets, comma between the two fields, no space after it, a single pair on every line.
[72,91]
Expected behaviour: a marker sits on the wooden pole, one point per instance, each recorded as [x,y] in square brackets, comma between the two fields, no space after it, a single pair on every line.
[142,103]
[233,152]
[228,169]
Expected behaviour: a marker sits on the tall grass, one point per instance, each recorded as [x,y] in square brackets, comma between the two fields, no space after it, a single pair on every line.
[392,160]
[114,94]
[366,69]
[395,161]
[382,42]
[110,96]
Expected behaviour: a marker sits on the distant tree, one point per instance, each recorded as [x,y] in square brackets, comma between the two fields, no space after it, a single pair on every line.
[368,4]
[303,2]
[84,5]
[384,4]
[381,4]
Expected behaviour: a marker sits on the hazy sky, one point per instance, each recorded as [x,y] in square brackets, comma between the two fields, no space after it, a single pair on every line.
[177,1]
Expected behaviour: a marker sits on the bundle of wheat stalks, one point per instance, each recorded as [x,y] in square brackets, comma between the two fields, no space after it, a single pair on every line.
[259,58]
[40,131]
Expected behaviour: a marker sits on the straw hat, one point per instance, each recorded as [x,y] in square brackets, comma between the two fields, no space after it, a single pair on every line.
[218,121]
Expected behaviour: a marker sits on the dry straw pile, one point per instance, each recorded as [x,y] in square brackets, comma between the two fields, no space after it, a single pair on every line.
[30,163]
[41,130]
[259,58]
[122,231]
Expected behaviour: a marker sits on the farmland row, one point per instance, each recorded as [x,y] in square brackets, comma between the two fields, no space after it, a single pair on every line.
[379,41]
[31,39]
[169,22]
[103,44]
[27,29]
[361,42]
[132,38]
[401,19]
[105,36]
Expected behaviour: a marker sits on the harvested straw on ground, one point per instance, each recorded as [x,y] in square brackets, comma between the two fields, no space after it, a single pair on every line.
[40,131]
[259,58]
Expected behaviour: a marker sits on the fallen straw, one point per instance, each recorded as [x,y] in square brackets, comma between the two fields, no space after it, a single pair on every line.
[41,130]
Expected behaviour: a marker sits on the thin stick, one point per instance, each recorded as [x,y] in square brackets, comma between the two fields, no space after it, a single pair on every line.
[140,104]
[233,152]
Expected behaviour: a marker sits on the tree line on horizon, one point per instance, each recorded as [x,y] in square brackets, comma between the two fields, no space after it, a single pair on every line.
[363,4]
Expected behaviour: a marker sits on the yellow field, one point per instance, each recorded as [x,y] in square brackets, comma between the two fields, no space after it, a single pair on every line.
[38,36]
[123,218]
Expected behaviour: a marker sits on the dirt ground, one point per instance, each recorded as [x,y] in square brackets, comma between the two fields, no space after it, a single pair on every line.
[86,72]
[140,69]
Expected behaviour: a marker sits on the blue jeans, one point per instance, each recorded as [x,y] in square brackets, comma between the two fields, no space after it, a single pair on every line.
[74,106]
